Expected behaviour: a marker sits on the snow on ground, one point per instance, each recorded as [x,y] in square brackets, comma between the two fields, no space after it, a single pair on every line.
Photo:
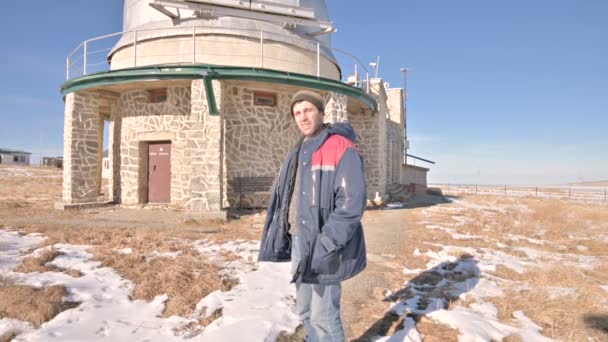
[259,307]
[12,247]
[448,277]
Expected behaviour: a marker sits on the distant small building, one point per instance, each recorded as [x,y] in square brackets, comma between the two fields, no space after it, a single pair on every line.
[105,166]
[14,157]
[53,162]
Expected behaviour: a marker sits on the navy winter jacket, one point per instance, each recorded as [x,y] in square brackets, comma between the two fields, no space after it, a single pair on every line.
[332,199]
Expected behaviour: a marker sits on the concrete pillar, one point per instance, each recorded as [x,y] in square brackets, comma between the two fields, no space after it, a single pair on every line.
[81,149]
[335,108]
[205,145]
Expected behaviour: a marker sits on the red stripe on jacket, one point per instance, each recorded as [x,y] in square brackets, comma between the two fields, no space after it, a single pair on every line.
[329,155]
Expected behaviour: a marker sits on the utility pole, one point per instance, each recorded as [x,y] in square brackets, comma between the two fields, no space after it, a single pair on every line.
[405,142]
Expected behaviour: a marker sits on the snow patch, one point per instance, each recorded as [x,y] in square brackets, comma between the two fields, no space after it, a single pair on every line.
[259,307]
[13,247]
[478,323]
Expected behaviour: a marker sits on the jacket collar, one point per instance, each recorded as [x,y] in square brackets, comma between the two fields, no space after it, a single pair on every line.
[318,140]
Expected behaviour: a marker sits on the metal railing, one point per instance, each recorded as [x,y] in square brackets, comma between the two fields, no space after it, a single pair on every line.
[92,55]
[584,193]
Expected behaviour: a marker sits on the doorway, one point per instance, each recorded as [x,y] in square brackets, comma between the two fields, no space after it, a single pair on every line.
[159,172]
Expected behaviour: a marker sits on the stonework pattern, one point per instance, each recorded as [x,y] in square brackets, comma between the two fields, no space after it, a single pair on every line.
[366,125]
[215,157]
[257,138]
[81,145]
[142,121]
[395,134]
[204,143]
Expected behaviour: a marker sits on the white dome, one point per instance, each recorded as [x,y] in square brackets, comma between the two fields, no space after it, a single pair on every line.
[151,24]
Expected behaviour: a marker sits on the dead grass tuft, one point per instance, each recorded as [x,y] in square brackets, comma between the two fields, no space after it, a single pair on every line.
[507,273]
[513,338]
[561,318]
[436,332]
[185,279]
[297,336]
[195,327]
[35,305]
[7,337]
[73,273]
[40,263]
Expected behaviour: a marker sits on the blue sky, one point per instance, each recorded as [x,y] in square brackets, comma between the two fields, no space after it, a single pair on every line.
[511,92]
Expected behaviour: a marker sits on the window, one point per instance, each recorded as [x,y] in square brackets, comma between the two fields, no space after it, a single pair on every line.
[157,95]
[15,159]
[22,159]
[261,98]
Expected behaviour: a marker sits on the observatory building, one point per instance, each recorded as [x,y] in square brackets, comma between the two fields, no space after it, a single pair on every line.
[194,97]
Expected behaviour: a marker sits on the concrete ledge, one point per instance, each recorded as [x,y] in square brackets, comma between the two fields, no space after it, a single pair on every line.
[207,215]
[66,206]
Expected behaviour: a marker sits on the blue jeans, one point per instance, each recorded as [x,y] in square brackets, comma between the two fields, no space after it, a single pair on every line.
[318,306]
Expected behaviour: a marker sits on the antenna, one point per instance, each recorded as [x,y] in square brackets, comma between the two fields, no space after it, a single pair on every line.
[375,65]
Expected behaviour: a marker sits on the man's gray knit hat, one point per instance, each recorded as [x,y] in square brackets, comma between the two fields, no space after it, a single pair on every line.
[310,96]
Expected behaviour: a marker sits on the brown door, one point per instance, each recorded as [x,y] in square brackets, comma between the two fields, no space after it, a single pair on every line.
[159,172]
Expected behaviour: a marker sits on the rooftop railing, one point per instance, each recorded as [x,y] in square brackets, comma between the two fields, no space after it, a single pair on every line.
[93,55]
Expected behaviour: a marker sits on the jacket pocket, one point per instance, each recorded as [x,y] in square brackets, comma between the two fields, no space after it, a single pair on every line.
[322,261]
[282,240]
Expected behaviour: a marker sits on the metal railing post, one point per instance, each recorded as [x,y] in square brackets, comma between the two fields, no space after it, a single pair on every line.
[318,59]
[261,49]
[84,59]
[67,68]
[367,82]
[193,44]
[134,48]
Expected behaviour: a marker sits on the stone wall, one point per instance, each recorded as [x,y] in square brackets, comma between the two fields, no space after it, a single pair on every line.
[257,138]
[205,145]
[137,121]
[414,174]
[366,124]
[373,142]
[394,152]
[80,148]
[395,130]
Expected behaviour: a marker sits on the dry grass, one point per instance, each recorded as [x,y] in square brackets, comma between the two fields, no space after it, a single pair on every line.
[35,305]
[563,298]
[29,187]
[186,280]
[40,263]
[436,332]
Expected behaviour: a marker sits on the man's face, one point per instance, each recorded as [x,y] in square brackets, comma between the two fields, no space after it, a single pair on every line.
[308,118]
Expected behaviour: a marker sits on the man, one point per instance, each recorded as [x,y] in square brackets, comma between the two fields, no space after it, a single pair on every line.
[318,199]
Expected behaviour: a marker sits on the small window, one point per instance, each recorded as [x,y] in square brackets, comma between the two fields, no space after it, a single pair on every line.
[158,95]
[264,99]
[15,158]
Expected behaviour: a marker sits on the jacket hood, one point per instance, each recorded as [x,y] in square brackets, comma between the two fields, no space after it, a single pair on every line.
[344,129]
